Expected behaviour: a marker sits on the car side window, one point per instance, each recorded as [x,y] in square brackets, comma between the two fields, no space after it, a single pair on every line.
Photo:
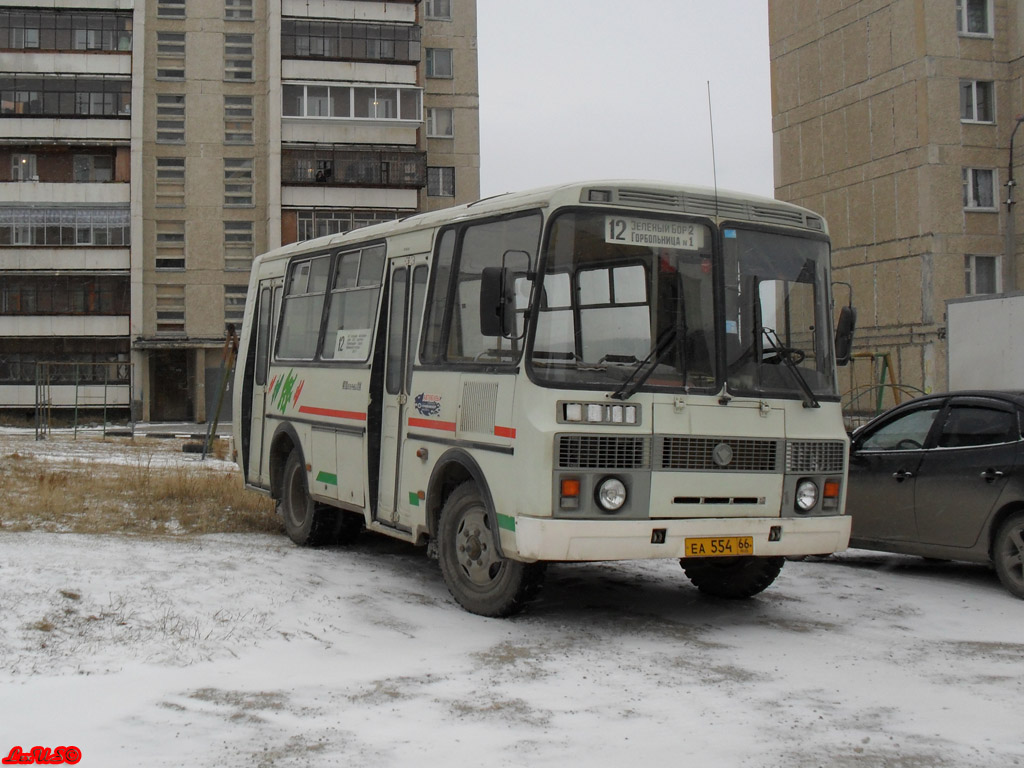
[906,433]
[966,426]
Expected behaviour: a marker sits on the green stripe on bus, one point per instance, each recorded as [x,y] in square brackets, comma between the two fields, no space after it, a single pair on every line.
[327,477]
[414,499]
[507,522]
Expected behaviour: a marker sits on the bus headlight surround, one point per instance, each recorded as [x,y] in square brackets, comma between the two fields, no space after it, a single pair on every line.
[611,494]
[806,495]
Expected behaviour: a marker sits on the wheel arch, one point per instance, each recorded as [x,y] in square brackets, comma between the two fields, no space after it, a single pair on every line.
[285,440]
[454,468]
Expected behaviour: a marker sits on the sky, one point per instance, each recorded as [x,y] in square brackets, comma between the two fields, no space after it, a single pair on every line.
[595,89]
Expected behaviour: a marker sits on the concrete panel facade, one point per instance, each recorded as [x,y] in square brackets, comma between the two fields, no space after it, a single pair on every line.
[879,147]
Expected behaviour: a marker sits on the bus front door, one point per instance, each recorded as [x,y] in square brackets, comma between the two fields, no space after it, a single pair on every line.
[408,281]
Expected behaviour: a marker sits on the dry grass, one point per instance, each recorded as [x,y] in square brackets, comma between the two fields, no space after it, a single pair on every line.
[142,488]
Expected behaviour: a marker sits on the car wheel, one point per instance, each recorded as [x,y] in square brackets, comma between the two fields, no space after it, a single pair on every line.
[734,578]
[306,523]
[1008,554]
[481,580]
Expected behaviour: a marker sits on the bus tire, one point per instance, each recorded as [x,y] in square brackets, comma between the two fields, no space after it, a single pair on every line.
[479,579]
[305,522]
[734,578]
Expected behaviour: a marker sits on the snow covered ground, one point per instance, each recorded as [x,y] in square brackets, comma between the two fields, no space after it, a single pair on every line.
[244,650]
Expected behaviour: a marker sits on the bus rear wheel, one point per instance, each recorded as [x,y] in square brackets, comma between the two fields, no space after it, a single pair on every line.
[734,578]
[307,523]
[480,579]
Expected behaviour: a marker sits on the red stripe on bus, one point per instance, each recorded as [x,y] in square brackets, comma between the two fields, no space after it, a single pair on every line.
[445,426]
[314,411]
[505,432]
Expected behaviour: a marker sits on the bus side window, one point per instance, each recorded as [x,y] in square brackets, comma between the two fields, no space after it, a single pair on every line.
[303,307]
[453,324]
[353,305]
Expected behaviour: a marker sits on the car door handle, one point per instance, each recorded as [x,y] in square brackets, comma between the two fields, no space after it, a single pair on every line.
[900,475]
[992,474]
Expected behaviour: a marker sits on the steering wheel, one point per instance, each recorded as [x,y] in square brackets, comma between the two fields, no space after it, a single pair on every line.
[778,354]
[908,444]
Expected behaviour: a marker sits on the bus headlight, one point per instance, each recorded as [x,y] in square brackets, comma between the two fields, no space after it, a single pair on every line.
[611,494]
[806,495]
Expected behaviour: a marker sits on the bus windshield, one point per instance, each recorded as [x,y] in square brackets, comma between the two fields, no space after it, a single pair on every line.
[626,300]
[778,340]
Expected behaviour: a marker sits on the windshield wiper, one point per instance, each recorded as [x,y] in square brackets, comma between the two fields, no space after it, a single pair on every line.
[785,355]
[658,353]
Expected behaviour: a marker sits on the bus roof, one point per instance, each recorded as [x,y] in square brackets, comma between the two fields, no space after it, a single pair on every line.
[646,195]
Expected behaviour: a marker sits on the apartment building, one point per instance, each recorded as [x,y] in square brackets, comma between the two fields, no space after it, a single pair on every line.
[894,119]
[148,152]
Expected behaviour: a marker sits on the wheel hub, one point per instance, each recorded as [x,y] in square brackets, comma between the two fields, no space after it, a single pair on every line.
[476,551]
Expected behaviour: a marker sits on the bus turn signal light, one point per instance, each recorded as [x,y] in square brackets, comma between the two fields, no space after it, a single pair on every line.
[570,493]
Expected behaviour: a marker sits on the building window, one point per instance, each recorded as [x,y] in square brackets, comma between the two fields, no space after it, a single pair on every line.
[234,306]
[976,103]
[441,182]
[170,55]
[65,226]
[65,96]
[981,275]
[62,30]
[319,222]
[440,122]
[979,188]
[351,102]
[238,10]
[439,9]
[170,309]
[170,182]
[974,17]
[93,168]
[238,119]
[238,246]
[238,182]
[23,168]
[170,9]
[238,57]
[439,62]
[19,355]
[64,295]
[170,118]
[170,245]
[351,41]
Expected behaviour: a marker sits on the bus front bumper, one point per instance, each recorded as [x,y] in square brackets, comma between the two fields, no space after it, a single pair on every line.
[591,540]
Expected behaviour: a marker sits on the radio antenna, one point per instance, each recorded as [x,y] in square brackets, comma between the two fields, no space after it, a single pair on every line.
[714,169]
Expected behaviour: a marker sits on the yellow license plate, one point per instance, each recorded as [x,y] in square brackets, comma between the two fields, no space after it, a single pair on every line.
[720,546]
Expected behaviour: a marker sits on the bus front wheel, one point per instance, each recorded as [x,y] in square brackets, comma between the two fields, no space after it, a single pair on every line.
[734,578]
[306,523]
[480,579]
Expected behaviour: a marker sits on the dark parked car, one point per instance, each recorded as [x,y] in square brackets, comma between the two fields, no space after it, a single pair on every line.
[942,476]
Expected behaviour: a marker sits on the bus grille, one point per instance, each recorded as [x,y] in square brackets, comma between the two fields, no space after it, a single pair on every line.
[815,456]
[698,454]
[603,452]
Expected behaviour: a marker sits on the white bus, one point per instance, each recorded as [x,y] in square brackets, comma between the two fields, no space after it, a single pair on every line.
[595,371]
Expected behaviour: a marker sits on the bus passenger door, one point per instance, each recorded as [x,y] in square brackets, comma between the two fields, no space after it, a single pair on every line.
[265,322]
[405,312]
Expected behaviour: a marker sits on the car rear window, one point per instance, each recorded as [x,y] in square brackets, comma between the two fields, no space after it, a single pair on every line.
[967,426]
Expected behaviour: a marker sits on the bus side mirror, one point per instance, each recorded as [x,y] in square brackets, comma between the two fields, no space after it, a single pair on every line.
[497,302]
[844,334]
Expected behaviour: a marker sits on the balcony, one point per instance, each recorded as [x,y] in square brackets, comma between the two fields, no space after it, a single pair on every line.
[370,167]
